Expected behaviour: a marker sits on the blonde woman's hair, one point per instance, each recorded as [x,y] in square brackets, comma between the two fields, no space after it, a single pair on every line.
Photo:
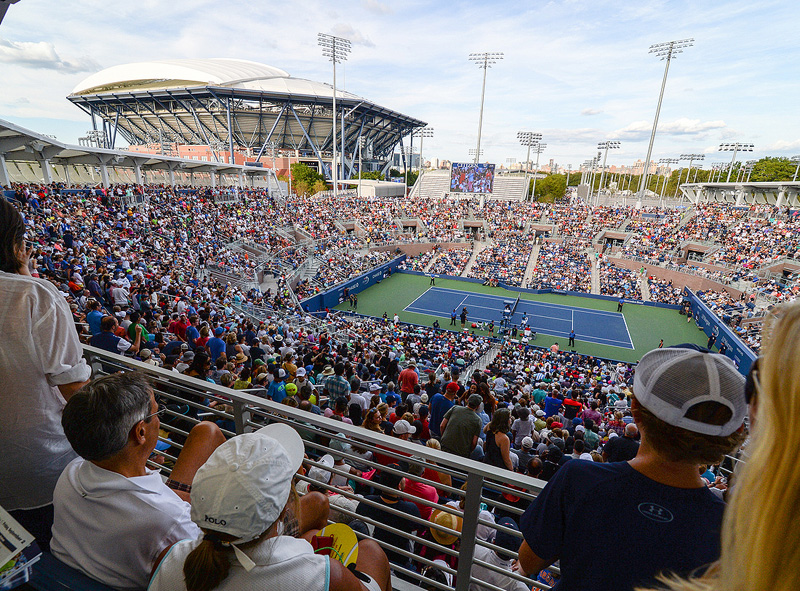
[760,531]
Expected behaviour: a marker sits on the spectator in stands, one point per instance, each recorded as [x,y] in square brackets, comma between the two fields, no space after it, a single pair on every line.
[760,533]
[41,365]
[622,449]
[394,481]
[501,559]
[677,518]
[109,341]
[421,490]
[244,516]
[114,517]
[461,427]
[440,405]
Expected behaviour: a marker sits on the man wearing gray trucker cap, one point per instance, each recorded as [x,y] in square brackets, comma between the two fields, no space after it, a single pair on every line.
[689,406]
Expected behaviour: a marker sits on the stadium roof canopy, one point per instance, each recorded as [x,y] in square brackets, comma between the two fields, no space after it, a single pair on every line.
[19,146]
[232,103]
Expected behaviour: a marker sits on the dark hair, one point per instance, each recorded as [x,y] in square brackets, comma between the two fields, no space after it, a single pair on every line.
[390,479]
[108,323]
[499,422]
[12,237]
[681,445]
[354,413]
[98,418]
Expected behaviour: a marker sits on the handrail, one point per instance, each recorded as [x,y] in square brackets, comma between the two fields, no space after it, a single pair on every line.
[250,412]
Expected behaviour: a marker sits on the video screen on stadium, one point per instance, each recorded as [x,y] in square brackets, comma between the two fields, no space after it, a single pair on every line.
[471,178]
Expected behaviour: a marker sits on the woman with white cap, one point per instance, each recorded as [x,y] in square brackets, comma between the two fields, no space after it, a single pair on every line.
[242,498]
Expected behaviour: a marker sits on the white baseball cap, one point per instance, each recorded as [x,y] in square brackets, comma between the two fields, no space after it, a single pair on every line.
[669,382]
[301,371]
[243,487]
[319,474]
[402,427]
[527,442]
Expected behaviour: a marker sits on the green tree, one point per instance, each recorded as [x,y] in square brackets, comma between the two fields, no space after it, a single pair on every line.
[306,177]
[773,169]
[550,188]
[411,178]
[374,175]
[319,186]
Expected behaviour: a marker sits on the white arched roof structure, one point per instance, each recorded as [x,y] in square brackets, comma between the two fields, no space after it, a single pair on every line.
[238,105]
[185,73]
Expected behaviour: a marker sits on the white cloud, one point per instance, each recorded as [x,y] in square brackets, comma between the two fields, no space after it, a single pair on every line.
[42,55]
[376,7]
[639,130]
[784,146]
[588,112]
[355,36]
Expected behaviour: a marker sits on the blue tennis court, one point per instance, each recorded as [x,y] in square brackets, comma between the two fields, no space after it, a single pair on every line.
[592,326]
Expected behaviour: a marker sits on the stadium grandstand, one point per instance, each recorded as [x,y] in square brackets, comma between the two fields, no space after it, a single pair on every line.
[492,393]
[234,106]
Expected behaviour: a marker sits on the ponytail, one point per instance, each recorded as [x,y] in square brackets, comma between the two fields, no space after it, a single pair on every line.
[207,565]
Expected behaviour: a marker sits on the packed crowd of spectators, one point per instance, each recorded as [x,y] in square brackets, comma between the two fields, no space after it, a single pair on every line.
[619,281]
[453,261]
[505,260]
[562,266]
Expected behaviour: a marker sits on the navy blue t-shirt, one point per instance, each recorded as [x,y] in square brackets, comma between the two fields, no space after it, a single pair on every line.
[440,404]
[588,508]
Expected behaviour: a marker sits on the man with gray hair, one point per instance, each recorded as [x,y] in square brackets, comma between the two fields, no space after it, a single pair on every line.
[115,517]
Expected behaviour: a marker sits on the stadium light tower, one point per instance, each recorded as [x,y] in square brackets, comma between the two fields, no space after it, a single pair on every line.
[605,146]
[664,51]
[796,170]
[336,50]
[666,161]
[476,154]
[485,61]
[735,148]
[422,133]
[538,149]
[529,139]
[691,158]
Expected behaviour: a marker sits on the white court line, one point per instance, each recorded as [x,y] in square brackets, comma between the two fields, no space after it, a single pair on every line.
[533,303]
[629,332]
[558,334]
[420,295]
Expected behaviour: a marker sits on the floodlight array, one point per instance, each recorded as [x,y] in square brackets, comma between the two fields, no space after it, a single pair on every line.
[668,50]
[334,48]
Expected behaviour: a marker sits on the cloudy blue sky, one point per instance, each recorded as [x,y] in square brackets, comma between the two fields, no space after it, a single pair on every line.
[578,71]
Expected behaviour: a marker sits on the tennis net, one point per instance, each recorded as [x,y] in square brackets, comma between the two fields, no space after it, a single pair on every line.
[516,303]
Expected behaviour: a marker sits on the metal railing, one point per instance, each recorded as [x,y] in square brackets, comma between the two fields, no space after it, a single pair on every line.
[238,412]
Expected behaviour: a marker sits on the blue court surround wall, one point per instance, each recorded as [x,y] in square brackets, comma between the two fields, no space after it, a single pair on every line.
[741,354]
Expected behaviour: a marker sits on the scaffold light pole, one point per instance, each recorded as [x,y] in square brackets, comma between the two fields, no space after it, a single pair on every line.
[665,51]
[796,170]
[529,139]
[735,147]
[426,131]
[537,149]
[485,61]
[605,146]
[336,50]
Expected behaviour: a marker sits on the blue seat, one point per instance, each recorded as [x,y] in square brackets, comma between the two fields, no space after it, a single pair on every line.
[50,574]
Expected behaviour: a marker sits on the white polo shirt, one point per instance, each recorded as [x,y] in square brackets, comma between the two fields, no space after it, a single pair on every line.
[40,350]
[113,528]
[281,563]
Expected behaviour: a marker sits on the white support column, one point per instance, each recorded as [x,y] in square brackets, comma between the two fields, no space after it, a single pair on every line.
[104,174]
[137,170]
[172,177]
[67,178]
[739,196]
[781,195]
[241,180]
[4,179]
[191,179]
[213,179]
[47,173]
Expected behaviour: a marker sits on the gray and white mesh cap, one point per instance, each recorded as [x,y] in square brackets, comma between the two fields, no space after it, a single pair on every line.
[670,381]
